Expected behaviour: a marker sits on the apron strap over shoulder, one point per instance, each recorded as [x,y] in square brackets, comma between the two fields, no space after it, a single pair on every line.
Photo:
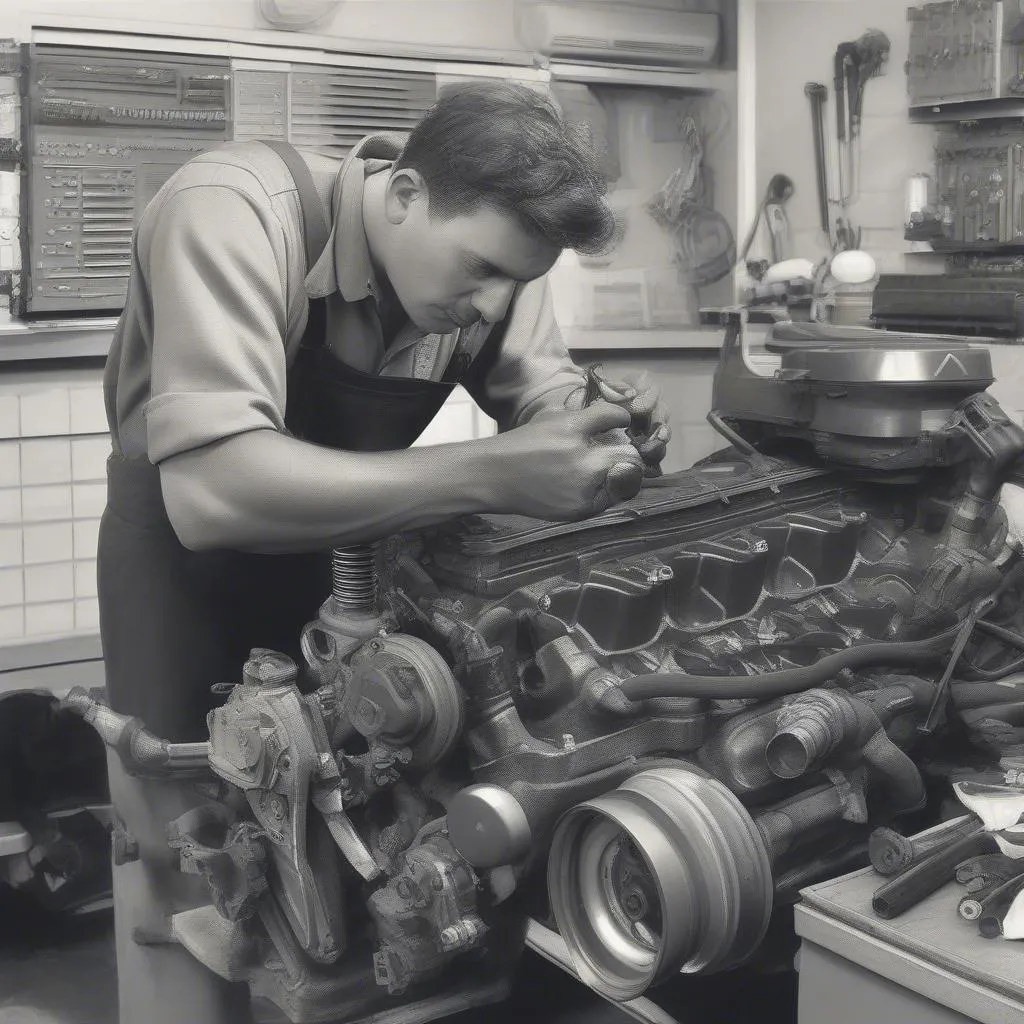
[317,227]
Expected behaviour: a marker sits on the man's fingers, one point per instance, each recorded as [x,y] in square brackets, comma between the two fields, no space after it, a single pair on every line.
[624,480]
[652,450]
[647,406]
[602,416]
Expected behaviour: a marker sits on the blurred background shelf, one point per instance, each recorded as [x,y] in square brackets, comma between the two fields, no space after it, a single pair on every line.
[88,338]
[628,339]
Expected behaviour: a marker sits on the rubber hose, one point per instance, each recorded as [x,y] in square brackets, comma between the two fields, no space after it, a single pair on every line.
[905,788]
[980,694]
[892,853]
[995,906]
[1011,714]
[786,681]
[923,878]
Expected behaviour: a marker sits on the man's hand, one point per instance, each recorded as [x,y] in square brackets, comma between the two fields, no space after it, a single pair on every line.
[567,465]
[648,431]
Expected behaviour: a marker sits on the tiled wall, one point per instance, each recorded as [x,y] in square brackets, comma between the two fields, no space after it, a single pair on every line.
[458,420]
[53,447]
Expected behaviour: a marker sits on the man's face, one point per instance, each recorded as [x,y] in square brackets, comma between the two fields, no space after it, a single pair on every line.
[451,272]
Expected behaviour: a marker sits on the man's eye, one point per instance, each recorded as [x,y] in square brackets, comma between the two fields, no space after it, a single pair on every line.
[481,270]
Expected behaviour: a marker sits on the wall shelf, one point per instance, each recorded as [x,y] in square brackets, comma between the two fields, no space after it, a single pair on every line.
[968,110]
[88,338]
[627,340]
[710,80]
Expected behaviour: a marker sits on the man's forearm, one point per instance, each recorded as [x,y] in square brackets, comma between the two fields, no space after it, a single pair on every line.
[265,492]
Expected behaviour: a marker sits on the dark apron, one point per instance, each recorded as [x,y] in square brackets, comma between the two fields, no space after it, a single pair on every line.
[174,622]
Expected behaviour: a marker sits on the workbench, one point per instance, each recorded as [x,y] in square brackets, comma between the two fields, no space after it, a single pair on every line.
[927,966]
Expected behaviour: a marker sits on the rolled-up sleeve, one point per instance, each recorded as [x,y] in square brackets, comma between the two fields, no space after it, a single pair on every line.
[218,320]
[533,370]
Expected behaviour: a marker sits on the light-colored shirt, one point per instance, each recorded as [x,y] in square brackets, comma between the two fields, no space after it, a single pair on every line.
[218,301]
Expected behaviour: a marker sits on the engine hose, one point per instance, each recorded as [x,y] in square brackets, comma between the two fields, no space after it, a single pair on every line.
[995,906]
[991,675]
[909,887]
[892,853]
[820,721]
[968,695]
[786,681]
[1011,714]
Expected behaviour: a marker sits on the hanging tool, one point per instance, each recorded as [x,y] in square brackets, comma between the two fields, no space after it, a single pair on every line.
[780,189]
[854,63]
[818,95]
[872,57]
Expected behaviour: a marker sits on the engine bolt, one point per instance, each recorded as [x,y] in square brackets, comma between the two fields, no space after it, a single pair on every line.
[635,906]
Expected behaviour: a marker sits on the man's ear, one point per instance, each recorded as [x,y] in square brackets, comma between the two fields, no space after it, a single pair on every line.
[405,187]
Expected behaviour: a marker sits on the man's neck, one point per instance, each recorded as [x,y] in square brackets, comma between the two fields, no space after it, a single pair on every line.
[392,316]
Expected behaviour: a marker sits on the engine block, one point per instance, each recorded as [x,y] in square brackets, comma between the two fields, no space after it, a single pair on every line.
[647,730]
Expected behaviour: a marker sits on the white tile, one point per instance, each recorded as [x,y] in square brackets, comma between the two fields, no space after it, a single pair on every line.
[45,413]
[10,546]
[49,583]
[10,505]
[88,414]
[85,579]
[483,425]
[12,623]
[46,461]
[86,538]
[452,423]
[90,500]
[10,464]
[12,587]
[89,458]
[87,614]
[48,542]
[47,619]
[42,503]
[10,419]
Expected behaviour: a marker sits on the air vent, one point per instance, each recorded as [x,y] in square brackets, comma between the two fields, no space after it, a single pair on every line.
[332,109]
[620,33]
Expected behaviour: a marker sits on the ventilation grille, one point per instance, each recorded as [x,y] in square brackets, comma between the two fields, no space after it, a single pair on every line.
[331,110]
[596,44]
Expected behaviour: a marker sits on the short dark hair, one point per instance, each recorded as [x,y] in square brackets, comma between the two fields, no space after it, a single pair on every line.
[505,145]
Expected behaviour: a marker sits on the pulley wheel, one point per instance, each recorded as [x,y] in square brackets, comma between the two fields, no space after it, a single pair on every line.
[666,874]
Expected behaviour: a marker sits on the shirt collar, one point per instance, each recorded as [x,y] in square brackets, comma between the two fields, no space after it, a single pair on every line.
[345,263]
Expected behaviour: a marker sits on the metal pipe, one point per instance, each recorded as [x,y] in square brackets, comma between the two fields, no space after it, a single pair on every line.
[818,95]
[793,680]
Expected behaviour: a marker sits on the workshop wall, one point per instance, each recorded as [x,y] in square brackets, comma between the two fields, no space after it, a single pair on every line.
[463,24]
[53,450]
[796,42]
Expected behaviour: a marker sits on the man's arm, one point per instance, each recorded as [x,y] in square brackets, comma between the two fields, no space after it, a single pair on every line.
[231,477]
[265,492]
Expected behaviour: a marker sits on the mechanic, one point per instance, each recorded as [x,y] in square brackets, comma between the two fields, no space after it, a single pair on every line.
[261,399]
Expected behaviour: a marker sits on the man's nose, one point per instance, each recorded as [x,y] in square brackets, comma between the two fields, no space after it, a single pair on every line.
[492,299]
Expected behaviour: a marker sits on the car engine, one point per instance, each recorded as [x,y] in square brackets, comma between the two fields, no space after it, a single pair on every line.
[645,731]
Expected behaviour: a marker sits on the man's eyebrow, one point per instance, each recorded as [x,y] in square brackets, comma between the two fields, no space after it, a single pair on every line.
[489,267]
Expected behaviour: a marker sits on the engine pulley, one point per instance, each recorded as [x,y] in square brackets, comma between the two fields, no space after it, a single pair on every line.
[403,694]
[665,874]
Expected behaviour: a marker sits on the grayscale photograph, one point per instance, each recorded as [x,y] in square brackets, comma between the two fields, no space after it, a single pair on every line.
[512,510]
